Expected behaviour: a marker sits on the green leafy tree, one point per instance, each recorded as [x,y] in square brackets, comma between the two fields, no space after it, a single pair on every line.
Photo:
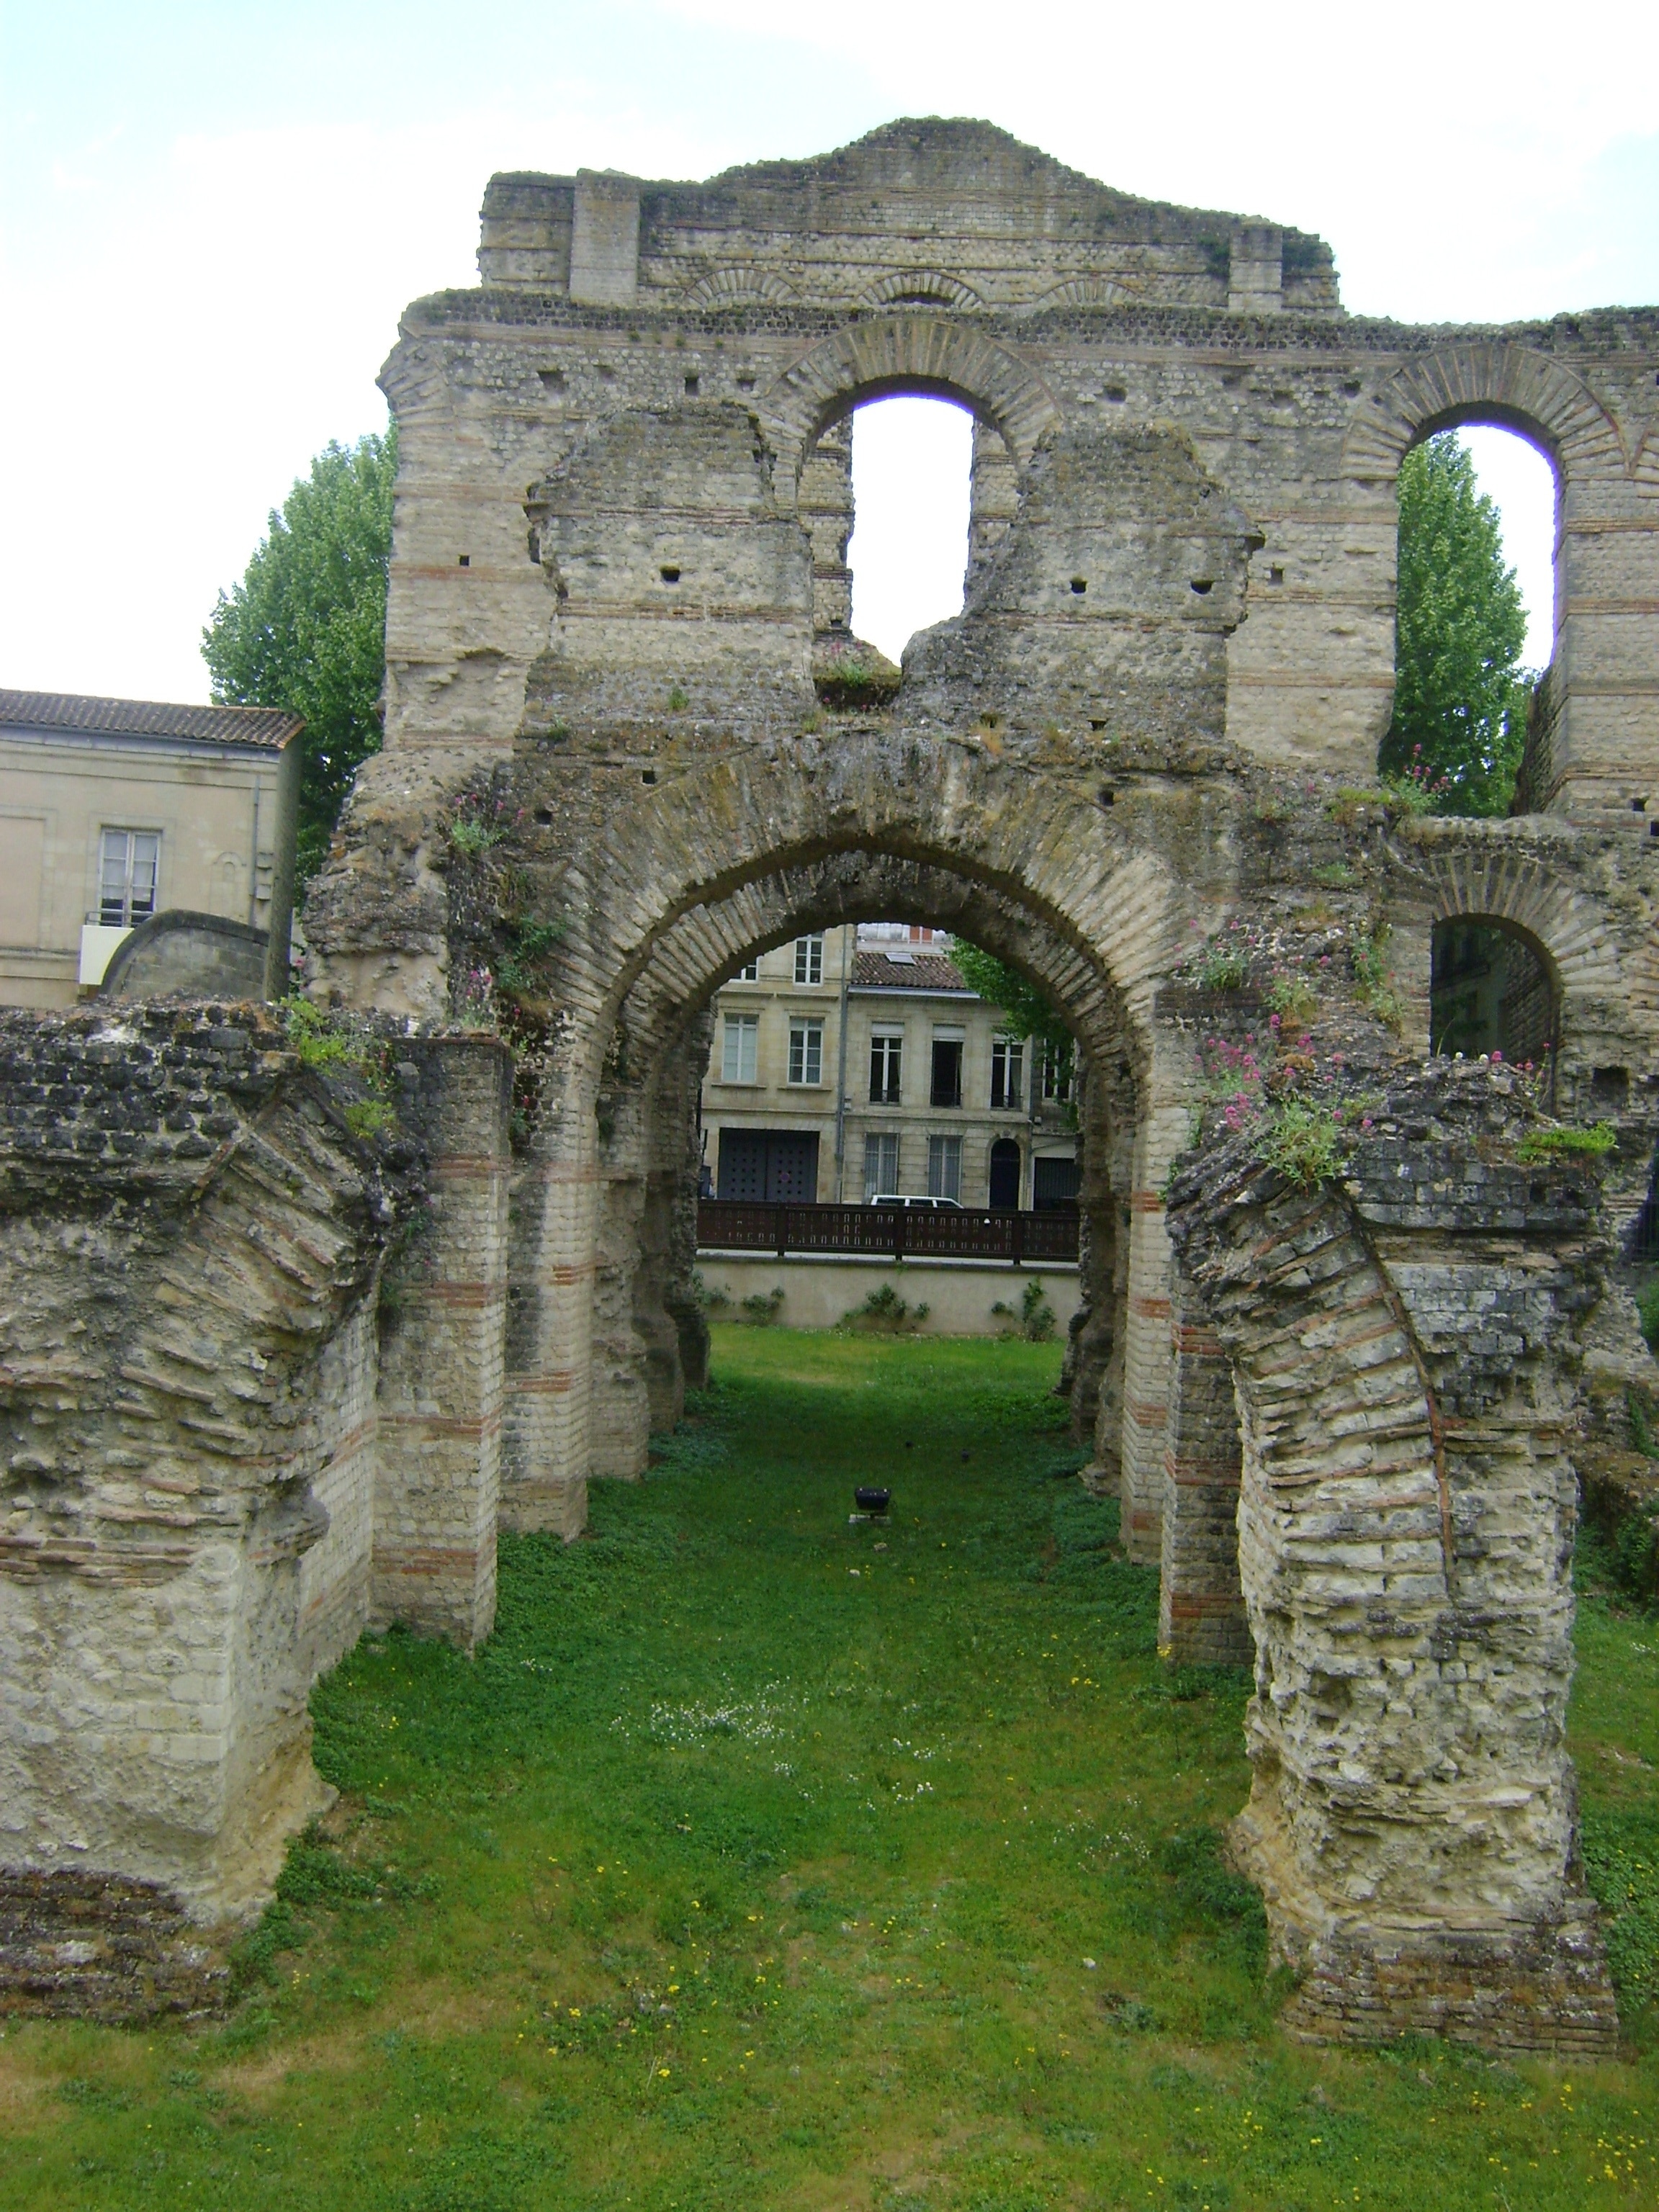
[1025,1010]
[1461,694]
[305,630]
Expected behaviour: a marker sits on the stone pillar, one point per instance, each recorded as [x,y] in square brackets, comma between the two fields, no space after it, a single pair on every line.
[1255,279]
[548,1455]
[619,1407]
[438,1480]
[993,497]
[1600,757]
[1164,1132]
[825,503]
[1092,1337]
[1200,1613]
[667,1311]
[186,1262]
[1408,1347]
[605,240]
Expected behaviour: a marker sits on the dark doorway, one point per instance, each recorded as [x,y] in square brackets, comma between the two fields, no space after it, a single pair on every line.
[774,1166]
[1005,1175]
[1054,1184]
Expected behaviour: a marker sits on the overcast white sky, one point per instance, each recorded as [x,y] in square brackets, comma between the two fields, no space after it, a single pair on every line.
[211,212]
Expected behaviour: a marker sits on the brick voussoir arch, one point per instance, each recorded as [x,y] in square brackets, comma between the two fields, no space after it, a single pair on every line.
[1496,871]
[1487,380]
[918,352]
[935,805]
[705,944]
[908,285]
[741,288]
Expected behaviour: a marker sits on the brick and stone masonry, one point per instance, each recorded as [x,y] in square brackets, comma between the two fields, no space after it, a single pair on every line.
[617,642]
[213,1479]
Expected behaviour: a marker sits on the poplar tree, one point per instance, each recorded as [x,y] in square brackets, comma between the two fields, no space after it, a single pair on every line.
[1461,694]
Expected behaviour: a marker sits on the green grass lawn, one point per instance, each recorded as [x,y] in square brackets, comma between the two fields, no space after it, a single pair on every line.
[763,1860]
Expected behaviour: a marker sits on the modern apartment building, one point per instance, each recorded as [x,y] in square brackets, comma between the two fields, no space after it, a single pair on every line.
[114,810]
[852,1063]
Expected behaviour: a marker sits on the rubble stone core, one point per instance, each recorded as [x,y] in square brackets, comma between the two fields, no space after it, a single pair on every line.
[629,743]
[1406,1345]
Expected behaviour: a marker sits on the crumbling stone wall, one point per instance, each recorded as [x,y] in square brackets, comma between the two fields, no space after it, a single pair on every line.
[202,1506]
[628,744]
[1407,1342]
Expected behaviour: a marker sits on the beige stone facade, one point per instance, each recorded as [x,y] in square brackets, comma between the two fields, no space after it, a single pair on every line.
[113,810]
[929,1086]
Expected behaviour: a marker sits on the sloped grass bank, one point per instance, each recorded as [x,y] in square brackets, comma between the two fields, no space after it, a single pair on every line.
[763,1859]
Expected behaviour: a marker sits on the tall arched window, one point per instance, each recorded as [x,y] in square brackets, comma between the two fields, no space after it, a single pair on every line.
[909,550]
[1475,617]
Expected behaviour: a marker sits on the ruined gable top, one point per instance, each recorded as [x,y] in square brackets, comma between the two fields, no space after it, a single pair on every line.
[977,218]
[62,714]
[959,156]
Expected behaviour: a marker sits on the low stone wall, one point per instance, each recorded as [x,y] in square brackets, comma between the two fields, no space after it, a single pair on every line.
[817,1293]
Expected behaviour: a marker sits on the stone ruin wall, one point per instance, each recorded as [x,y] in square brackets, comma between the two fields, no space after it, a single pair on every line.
[618,639]
[222,1461]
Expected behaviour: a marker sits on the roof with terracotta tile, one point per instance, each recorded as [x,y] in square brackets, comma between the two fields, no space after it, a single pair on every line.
[921,971]
[267,728]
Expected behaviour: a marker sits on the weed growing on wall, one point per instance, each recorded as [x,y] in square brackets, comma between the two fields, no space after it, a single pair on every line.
[1592,1144]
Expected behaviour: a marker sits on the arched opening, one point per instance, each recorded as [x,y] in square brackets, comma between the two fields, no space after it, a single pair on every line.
[1491,991]
[1475,616]
[907,555]
[789,1061]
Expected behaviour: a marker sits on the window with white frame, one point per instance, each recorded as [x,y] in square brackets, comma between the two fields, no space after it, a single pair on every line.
[945,1167]
[886,1065]
[809,959]
[749,973]
[806,1052]
[881,1159]
[129,863]
[1007,1073]
[737,1048]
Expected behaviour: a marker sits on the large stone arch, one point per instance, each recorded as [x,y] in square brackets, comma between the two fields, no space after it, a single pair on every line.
[1483,380]
[918,352]
[677,862]
[646,1176]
